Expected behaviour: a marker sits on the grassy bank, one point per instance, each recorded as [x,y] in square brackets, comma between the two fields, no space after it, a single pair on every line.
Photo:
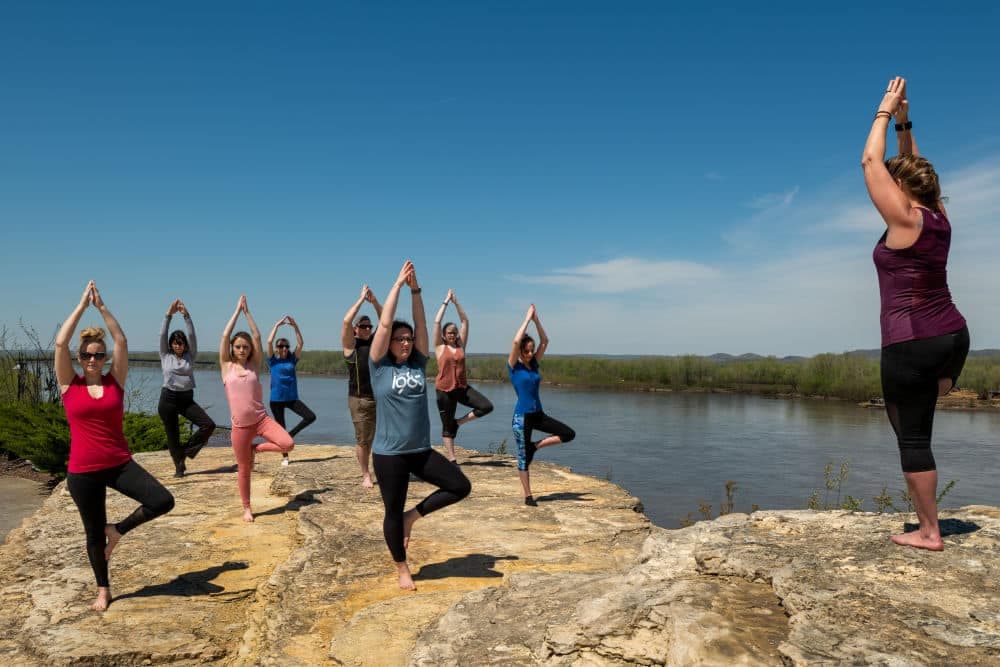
[849,376]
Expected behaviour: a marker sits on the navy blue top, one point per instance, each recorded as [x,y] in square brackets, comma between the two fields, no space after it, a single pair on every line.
[526,381]
[284,386]
[402,420]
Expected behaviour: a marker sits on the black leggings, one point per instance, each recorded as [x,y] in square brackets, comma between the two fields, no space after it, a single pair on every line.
[296,406]
[448,401]
[172,405]
[910,374]
[393,473]
[88,490]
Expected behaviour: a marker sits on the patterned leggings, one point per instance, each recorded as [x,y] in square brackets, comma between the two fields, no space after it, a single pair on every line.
[523,426]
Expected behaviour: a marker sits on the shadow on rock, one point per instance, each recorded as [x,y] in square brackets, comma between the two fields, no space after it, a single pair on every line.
[948,527]
[211,471]
[320,460]
[488,464]
[471,565]
[301,499]
[581,497]
[189,583]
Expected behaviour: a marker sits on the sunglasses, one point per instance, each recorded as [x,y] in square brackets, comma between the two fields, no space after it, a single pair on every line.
[87,356]
[281,346]
[364,326]
[403,339]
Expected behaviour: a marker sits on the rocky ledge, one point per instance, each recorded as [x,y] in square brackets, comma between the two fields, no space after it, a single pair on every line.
[583,579]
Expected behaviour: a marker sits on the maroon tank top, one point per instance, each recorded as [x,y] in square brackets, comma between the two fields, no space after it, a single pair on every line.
[913,284]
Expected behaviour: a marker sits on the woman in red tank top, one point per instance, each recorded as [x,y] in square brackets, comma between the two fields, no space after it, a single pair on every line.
[99,456]
[451,383]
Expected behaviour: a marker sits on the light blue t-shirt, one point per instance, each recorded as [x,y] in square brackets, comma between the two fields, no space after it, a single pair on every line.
[284,386]
[525,381]
[402,420]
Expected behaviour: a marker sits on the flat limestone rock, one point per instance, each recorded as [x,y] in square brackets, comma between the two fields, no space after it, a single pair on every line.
[583,579]
[310,581]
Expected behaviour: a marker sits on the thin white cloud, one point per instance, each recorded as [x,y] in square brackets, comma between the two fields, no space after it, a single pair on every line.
[624,274]
[774,201]
[809,286]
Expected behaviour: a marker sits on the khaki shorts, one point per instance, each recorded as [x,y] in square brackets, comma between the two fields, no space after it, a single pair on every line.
[363,416]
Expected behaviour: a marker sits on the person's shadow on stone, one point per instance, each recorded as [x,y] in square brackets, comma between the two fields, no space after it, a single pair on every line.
[470,565]
[566,495]
[300,500]
[488,464]
[948,527]
[189,584]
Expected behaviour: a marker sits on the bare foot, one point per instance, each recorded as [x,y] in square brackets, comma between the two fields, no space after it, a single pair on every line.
[112,535]
[366,482]
[247,515]
[409,519]
[103,599]
[915,539]
[405,579]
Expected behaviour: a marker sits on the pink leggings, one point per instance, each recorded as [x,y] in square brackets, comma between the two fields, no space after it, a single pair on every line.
[277,439]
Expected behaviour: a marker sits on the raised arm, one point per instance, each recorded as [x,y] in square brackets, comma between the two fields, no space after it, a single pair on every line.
[890,201]
[543,339]
[420,339]
[297,353]
[904,132]
[463,331]
[347,330]
[270,336]
[515,349]
[380,341]
[224,358]
[164,345]
[64,360]
[438,335]
[373,300]
[189,325]
[258,345]
[119,358]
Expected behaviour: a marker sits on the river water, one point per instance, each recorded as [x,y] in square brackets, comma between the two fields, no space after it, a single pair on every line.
[676,451]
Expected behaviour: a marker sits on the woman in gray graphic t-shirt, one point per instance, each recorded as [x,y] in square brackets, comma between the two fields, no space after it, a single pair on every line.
[402,445]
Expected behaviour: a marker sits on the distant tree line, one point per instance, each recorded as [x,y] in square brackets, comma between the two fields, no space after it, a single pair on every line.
[849,376]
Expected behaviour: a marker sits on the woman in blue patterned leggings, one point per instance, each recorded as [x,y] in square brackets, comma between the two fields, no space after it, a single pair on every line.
[522,365]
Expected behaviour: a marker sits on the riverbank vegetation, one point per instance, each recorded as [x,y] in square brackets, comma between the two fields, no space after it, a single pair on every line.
[850,376]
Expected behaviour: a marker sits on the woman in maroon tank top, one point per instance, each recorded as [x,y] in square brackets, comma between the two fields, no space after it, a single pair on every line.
[924,338]
[99,456]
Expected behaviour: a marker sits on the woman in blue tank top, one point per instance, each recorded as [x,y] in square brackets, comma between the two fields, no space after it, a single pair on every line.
[522,366]
[924,338]
[284,384]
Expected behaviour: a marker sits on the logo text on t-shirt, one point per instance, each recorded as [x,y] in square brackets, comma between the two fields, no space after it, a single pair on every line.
[407,379]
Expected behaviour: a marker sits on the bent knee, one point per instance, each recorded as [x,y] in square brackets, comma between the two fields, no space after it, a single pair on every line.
[568,436]
[163,504]
[483,411]
[463,489]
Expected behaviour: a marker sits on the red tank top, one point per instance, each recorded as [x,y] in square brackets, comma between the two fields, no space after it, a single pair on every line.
[96,440]
[451,369]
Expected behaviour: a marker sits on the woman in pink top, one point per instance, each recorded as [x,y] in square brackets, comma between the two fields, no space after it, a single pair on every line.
[99,456]
[240,358]
[451,383]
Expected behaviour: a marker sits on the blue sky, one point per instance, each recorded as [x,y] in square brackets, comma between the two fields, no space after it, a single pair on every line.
[657,179]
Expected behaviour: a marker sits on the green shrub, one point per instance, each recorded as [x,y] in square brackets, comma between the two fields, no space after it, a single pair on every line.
[40,434]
